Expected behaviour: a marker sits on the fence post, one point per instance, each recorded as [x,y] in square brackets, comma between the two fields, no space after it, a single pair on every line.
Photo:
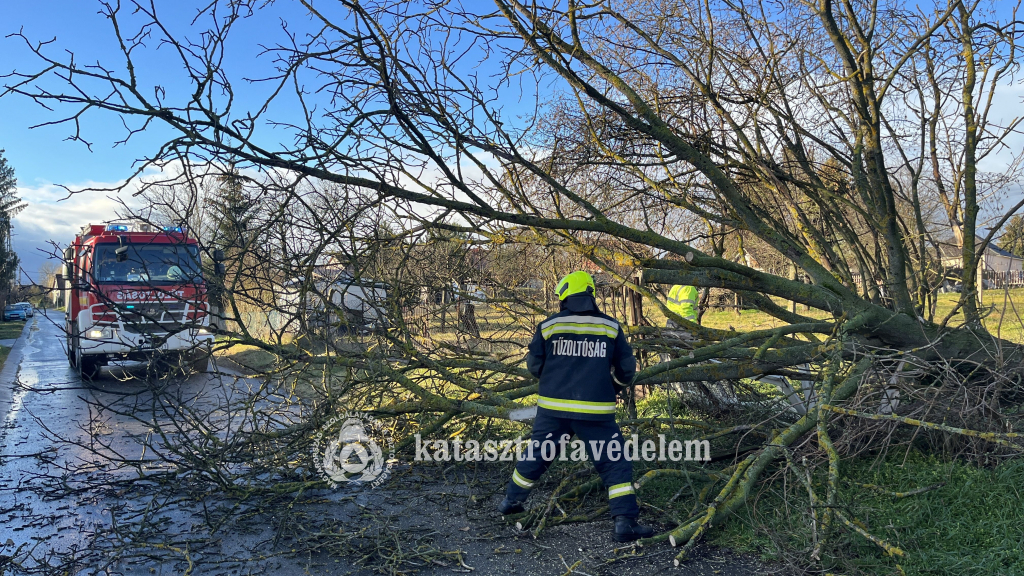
[981,282]
[633,302]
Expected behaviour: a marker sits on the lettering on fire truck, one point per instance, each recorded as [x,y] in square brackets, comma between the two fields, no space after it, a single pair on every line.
[147,295]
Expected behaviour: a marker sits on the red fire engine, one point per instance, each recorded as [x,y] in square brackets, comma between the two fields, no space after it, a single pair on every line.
[135,291]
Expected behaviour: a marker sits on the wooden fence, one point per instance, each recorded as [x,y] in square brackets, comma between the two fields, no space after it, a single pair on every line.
[1007,279]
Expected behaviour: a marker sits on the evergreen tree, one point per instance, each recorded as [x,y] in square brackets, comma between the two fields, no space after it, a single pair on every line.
[1012,239]
[232,210]
[10,205]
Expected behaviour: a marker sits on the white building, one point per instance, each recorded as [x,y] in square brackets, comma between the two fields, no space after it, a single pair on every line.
[994,259]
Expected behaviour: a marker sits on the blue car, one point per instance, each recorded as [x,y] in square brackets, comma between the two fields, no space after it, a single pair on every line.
[14,312]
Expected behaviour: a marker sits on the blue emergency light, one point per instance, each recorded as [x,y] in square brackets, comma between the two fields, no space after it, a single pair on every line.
[173,229]
[117,227]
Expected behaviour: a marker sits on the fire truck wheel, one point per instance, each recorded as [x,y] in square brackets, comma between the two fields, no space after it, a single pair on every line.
[195,361]
[72,351]
[201,365]
[90,367]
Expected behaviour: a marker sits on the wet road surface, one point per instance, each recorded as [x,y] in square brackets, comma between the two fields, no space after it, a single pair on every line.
[65,445]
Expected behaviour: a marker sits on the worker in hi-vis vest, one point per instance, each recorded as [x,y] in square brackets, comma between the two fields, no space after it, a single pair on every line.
[582,359]
[683,301]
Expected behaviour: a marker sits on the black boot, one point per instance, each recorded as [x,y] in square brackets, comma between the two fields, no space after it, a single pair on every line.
[627,530]
[508,507]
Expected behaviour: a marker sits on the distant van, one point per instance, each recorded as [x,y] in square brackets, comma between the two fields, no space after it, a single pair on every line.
[356,304]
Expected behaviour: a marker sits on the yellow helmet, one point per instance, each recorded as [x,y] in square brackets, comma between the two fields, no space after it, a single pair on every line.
[578,282]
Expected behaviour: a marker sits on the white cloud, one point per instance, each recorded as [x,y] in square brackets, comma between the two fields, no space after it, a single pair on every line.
[56,214]
[52,215]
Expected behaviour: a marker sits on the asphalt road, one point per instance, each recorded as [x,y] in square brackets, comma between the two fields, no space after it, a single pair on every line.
[68,506]
[64,444]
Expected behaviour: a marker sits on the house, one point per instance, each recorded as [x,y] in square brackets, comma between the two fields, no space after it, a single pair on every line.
[56,290]
[994,259]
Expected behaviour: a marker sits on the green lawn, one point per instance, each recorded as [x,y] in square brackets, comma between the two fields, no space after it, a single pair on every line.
[505,331]
[11,329]
[971,525]
[1003,309]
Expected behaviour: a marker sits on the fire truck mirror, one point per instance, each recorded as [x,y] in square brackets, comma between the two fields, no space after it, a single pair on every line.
[69,254]
[218,256]
[220,269]
[121,253]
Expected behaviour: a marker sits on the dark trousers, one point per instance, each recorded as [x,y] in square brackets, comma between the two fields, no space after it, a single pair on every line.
[617,474]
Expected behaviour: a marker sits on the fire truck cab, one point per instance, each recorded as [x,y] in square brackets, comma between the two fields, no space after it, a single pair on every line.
[135,291]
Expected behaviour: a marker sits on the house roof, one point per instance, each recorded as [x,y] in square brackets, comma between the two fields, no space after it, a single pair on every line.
[951,250]
[1001,252]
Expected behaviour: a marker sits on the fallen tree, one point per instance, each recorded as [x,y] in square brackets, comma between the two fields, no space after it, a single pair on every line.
[670,140]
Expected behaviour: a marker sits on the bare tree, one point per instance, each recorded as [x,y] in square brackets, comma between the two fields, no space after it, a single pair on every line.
[822,132]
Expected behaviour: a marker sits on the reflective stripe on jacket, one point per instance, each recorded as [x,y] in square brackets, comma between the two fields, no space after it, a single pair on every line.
[683,301]
[574,354]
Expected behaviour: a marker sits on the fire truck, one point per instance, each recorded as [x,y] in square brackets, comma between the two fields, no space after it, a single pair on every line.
[134,291]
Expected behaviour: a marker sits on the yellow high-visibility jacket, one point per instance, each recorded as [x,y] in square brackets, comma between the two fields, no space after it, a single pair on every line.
[683,301]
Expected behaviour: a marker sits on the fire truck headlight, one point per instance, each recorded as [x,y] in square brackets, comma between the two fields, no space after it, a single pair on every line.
[100,334]
[203,332]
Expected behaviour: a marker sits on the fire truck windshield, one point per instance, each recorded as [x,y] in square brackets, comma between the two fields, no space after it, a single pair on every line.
[148,264]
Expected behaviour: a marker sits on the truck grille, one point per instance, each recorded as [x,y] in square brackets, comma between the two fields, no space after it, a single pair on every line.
[157,317]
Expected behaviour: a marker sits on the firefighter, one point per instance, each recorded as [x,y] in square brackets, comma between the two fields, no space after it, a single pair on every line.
[107,267]
[683,301]
[582,359]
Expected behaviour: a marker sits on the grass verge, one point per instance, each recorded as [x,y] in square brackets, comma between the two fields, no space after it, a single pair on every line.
[11,329]
[972,525]
[250,357]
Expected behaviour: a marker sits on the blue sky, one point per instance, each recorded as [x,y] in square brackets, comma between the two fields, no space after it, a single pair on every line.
[43,157]
[62,161]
